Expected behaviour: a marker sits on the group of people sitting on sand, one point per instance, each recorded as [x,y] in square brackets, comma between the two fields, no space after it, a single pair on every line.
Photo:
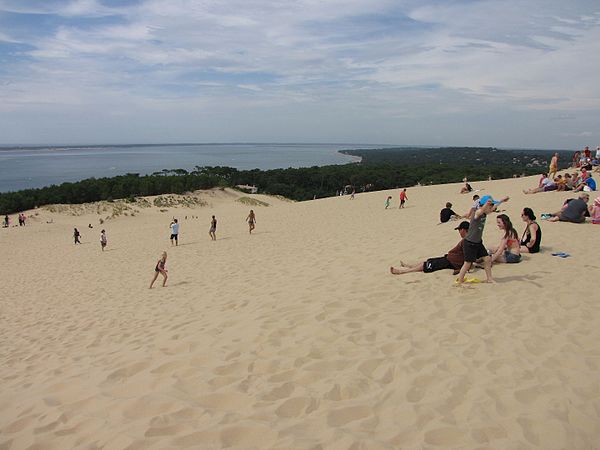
[569,182]
[470,249]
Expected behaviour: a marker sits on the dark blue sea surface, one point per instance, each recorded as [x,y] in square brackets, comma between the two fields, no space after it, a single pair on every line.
[32,167]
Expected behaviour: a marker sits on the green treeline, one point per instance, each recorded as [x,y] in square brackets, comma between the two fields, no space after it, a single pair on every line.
[407,169]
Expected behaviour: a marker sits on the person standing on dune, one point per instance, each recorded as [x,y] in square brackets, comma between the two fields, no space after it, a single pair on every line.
[251,219]
[403,198]
[473,243]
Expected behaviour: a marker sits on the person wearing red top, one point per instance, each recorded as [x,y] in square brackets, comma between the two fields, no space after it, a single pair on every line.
[403,198]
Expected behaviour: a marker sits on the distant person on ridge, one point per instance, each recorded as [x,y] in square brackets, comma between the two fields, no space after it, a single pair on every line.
[553,166]
[388,201]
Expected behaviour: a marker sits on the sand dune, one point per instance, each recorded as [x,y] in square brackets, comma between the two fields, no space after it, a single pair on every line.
[296,336]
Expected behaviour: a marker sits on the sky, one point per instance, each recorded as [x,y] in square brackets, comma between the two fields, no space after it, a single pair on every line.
[504,73]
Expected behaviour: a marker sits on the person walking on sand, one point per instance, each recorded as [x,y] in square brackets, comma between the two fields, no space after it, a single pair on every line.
[162,269]
[76,236]
[103,240]
[213,228]
[352,195]
[403,198]
[553,167]
[473,244]
[174,232]
[388,201]
[251,219]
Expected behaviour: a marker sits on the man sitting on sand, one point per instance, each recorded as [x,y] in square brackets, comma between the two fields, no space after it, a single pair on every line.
[447,214]
[587,181]
[574,210]
[454,259]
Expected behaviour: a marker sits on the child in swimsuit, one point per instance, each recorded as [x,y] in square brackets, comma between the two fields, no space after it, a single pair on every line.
[160,268]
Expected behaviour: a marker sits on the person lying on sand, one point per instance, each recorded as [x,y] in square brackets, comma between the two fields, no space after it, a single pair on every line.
[452,260]
[574,210]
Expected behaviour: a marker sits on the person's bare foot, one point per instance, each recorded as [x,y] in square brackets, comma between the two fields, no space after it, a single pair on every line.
[490,281]
[394,271]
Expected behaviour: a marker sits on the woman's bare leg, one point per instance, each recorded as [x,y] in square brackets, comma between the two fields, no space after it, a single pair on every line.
[153,279]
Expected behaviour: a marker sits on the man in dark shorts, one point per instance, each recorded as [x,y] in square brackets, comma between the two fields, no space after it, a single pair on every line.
[174,232]
[452,260]
[473,243]
[574,211]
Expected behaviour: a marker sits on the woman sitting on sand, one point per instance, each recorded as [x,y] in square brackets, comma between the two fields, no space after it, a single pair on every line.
[509,249]
[466,188]
[532,236]
[160,268]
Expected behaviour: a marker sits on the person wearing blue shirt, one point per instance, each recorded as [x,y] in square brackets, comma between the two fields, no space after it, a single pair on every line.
[591,183]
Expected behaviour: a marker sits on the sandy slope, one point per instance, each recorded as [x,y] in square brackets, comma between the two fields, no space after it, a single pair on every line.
[297,336]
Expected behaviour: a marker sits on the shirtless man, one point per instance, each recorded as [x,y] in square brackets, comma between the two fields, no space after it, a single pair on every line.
[553,167]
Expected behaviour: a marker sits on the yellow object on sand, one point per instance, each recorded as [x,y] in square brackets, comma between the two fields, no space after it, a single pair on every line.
[470,280]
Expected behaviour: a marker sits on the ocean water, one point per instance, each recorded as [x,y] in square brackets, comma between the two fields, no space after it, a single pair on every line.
[23,168]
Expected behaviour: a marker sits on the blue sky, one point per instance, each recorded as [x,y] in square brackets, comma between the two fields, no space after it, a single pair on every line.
[507,73]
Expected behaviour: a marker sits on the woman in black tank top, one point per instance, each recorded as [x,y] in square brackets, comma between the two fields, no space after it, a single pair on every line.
[532,236]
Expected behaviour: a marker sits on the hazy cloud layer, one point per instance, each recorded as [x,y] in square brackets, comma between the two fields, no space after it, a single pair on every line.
[506,73]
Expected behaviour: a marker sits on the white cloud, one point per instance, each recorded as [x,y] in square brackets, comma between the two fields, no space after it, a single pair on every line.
[387,60]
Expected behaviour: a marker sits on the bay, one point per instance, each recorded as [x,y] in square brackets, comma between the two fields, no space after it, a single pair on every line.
[34,167]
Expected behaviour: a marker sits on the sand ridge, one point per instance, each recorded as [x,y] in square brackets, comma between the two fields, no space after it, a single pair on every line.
[297,336]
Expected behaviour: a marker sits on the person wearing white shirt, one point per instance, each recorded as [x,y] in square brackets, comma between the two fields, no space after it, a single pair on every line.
[174,232]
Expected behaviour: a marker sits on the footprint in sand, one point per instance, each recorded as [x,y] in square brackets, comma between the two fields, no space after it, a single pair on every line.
[294,407]
[444,437]
[343,416]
